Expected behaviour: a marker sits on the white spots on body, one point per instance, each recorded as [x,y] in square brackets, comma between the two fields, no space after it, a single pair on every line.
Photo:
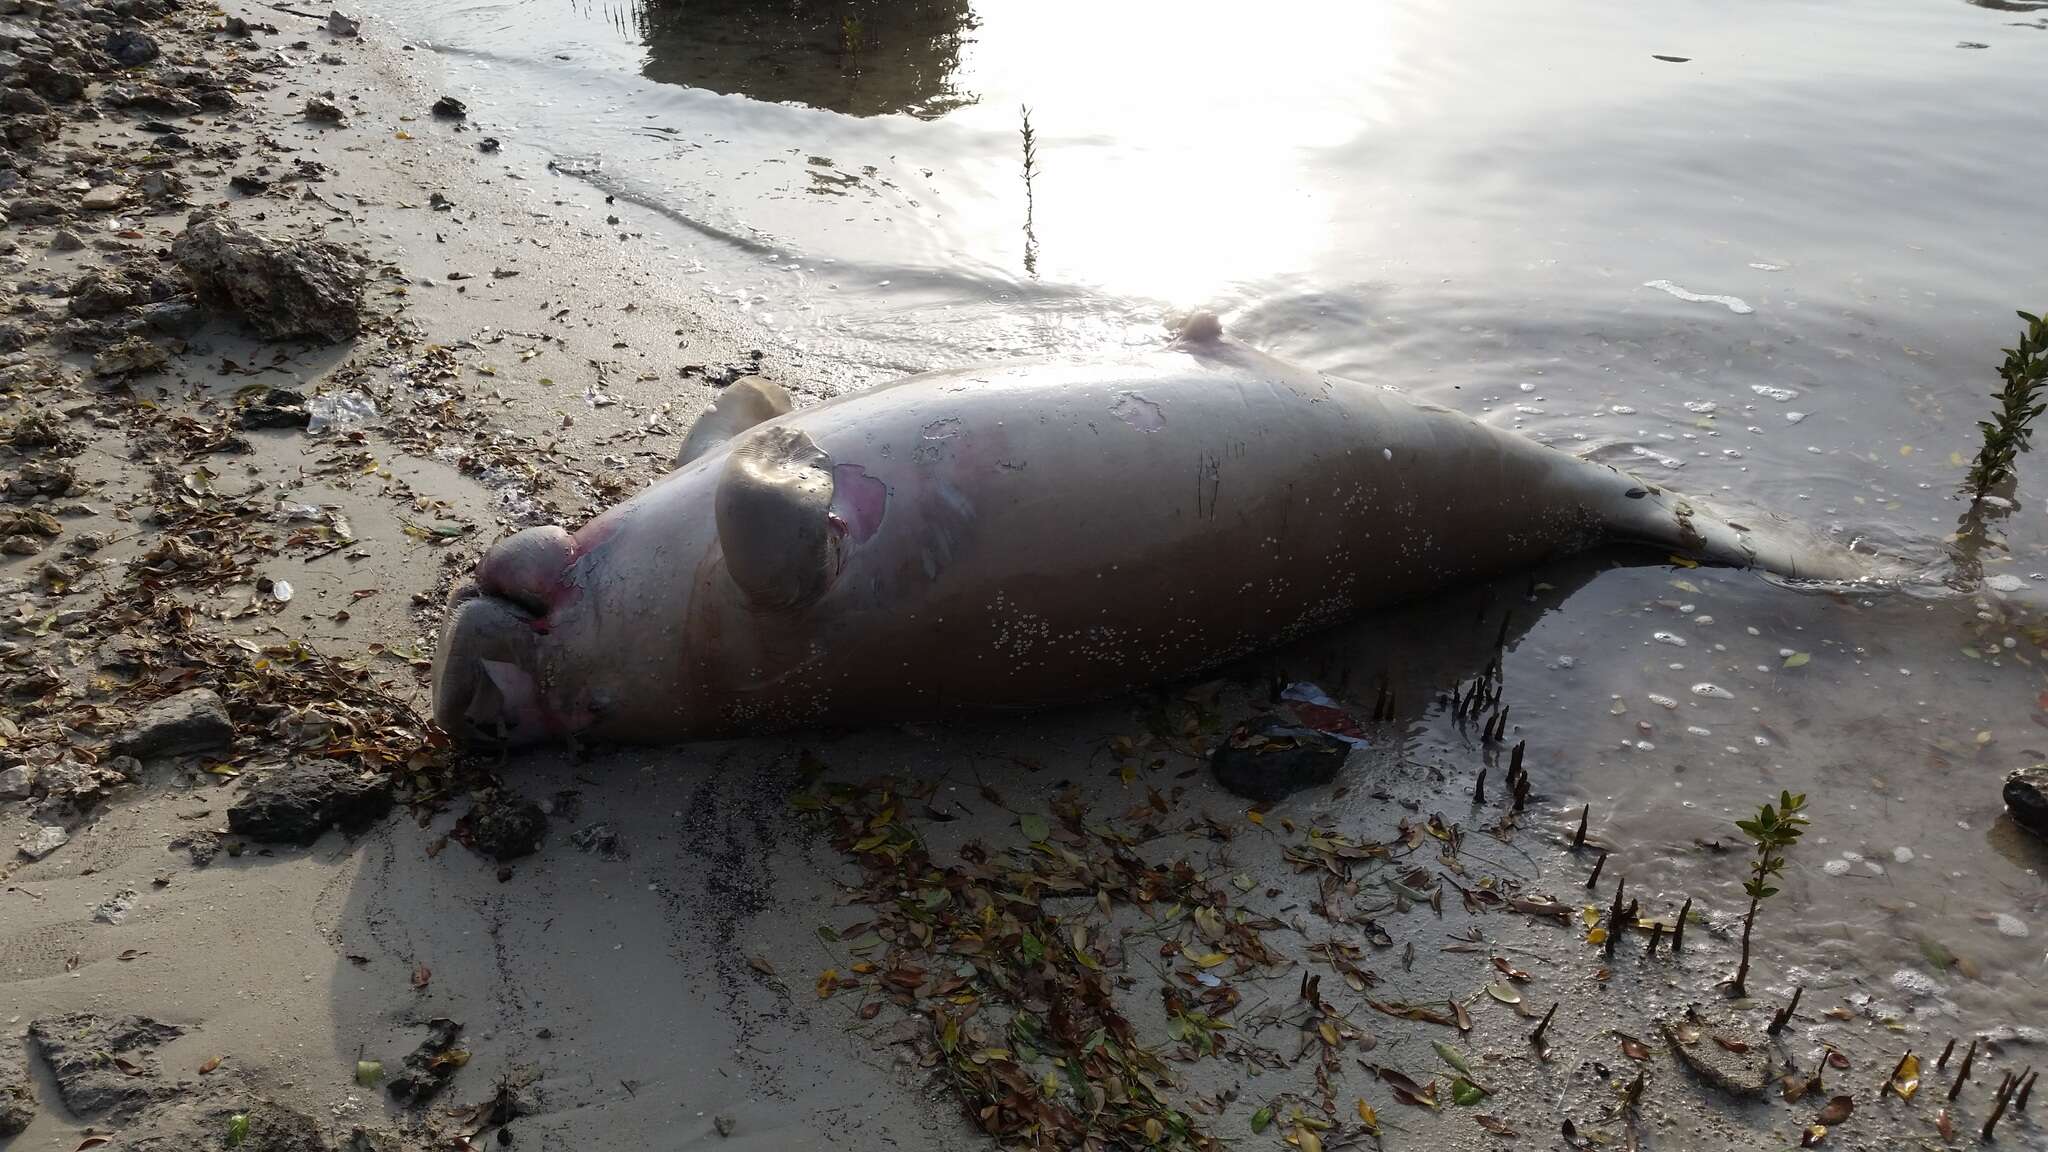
[1732,303]
[1902,855]
[2011,925]
[1138,412]
[1671,638]
[1712,691]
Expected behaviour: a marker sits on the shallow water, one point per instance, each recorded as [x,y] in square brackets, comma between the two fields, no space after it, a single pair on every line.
[1778,271]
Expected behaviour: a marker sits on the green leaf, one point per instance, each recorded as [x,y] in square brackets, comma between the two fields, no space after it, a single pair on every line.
[1451,1056]
[1034,827]
[238,1128]
[368,1072]
[1465,1092]
[1261,1118]
[1798,659]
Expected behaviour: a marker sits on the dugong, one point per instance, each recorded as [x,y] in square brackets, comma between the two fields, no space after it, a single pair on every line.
[1023,535]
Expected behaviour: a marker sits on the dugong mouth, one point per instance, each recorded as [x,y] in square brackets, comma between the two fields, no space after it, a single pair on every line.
[486,687]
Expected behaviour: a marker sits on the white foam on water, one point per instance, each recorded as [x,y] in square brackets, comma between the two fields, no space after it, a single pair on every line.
[1733,303]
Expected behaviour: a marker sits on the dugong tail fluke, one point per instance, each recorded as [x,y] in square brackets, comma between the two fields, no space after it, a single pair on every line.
[1696,530]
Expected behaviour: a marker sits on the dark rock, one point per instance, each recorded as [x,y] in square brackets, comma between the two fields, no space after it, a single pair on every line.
[131,47]
[340,25]
[164,189]
[2026,797]
[426,1073]
[278,408]
[104,293]
[325,111]
[285,289]
[66,241]
[81,1051]
[17,1091]
[298,802]
[449,108]
[194,720]
[1267,760]
[172,317]
[1744,1074]
[600,840]
[248,185]
[202,847]
[502,825]
[24,102]
[488,144]
[59,84]
[133,356]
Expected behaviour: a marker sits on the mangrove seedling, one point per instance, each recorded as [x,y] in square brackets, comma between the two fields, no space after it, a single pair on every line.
[2007,433]
[1771,831]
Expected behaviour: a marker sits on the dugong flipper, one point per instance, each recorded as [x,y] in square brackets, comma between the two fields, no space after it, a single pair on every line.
[745,402]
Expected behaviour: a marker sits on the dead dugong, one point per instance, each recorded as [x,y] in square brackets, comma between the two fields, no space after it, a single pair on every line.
[1021,535]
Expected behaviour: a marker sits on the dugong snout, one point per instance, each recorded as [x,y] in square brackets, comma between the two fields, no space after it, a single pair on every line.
[486,689]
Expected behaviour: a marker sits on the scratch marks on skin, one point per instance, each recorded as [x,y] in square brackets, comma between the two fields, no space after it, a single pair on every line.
[1208,482]
[1138,412]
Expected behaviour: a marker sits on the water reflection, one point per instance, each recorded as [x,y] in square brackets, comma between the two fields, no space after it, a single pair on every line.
[859,57]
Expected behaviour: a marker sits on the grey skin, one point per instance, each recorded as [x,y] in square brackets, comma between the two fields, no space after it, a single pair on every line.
[1019,536]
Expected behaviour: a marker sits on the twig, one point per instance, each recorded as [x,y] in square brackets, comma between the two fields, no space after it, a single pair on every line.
[1597,866]
[1784,1014]
[1479,789]
[1945,1050]
[1678,933]
[1536,1037]
[1579,837]
[1963,1072]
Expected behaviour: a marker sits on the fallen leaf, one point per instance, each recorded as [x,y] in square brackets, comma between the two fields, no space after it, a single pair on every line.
[1837,1110]
[1736,1046]
[1034,827]
[421,975]
[1367,1116]
[1944,1125]
[1510,971]
[1261,1118]
[1304,1137]
[1797,659]
[368,1072]
[1837,1058]
[210,1065]
[1813,1135]
[828,983]
[1906,1078]
[1496,1125]
[1451,1056]
[130,954]
[1466,1093]
[1464,1018]
[93,1142]
[1408,1091]
[760,964]
[130,1067]
[1505,993]
[1633,1048]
